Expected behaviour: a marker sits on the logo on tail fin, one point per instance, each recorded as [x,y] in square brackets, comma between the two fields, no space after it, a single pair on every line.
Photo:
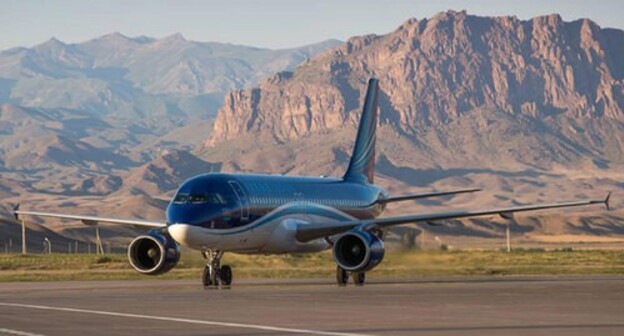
[362,164]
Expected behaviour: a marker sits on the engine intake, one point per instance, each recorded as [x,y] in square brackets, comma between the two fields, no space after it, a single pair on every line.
[358,251]
[153,253]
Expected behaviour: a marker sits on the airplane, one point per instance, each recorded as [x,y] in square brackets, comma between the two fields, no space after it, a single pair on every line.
[276,214]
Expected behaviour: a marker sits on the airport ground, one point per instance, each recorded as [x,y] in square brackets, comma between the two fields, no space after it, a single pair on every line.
[515,305]
[525,292]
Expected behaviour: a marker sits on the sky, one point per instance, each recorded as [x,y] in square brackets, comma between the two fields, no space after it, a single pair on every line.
[261,23]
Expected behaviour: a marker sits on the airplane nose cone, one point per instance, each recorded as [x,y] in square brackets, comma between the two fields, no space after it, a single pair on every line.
[192,236]
[181,233]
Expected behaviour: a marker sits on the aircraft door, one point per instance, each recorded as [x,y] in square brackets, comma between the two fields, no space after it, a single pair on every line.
[300,198]
[242,197]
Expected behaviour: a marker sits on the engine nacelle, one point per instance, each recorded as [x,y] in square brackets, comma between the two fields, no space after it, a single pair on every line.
[153,253]
[358,251]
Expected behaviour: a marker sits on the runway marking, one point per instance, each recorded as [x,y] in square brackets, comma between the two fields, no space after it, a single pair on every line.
[17,332]
[181,320]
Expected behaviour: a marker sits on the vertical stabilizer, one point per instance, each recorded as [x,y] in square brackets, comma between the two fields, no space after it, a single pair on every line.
[362,164]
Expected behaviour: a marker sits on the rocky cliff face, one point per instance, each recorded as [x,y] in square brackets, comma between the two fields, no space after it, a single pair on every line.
[455,79]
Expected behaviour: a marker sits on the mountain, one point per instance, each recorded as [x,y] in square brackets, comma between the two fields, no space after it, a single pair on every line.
[74,118]
[140,77]
[113,99]
[105,126]
[528,110]
[165,173]
[531,111]
[117,94]
[537,92]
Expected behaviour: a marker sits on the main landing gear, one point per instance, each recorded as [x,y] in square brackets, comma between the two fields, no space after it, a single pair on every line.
[342,277]
[215,275]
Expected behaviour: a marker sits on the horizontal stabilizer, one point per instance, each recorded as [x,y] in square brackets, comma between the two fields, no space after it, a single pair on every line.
[426,195]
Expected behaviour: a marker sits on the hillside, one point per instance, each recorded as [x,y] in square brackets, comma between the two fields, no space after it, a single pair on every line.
[123,76]
[555,87]
[529,110]
[113,94]
[76,119]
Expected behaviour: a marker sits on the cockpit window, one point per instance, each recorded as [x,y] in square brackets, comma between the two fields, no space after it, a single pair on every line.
[197,198]
[181,198]
[215,198]
[212,198]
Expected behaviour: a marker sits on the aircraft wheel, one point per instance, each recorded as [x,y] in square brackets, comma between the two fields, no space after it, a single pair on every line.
[225,274]
[342,276]
[359,278]
[206,278]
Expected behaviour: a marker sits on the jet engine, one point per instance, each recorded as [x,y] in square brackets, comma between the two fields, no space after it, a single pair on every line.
[358,251]
[153,253]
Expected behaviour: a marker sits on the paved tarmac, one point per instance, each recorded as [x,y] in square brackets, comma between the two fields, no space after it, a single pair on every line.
[436,306]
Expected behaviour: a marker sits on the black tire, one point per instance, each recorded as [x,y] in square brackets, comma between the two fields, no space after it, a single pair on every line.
[226,275]
[206,280]
[359,278]
[342,276]
[216,280]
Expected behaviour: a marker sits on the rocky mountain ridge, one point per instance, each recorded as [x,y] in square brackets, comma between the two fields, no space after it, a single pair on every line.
[476,86]
[170,66]
[74,118]
[530,111]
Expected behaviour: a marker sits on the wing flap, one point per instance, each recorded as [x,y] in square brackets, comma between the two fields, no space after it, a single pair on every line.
[426,195]
[312,231]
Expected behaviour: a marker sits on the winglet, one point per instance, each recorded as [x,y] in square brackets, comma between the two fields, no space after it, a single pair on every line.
[15,211]
[606,201]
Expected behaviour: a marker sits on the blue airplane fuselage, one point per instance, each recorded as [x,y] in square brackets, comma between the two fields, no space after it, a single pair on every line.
[227,201]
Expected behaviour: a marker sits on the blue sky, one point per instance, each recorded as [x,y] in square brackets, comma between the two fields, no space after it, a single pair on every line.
[263,23]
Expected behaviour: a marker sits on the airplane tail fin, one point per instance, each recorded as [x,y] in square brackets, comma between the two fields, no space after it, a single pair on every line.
[362,165]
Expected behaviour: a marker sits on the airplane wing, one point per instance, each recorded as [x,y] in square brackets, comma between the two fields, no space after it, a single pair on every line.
[311,231]
[90,220]
[426,195]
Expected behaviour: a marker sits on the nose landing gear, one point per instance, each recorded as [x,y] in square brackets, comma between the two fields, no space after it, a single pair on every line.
[215,275]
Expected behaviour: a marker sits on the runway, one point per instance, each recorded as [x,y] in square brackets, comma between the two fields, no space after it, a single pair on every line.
[441,306]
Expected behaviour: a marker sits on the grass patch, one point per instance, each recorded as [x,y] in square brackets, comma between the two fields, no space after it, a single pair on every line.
[34,267]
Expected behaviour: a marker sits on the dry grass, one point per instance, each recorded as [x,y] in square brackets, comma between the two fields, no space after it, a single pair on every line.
[396,264]
[567,239]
